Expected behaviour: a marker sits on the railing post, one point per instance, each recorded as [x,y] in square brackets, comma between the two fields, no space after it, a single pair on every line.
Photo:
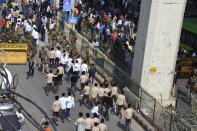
[177,97]
[155,102]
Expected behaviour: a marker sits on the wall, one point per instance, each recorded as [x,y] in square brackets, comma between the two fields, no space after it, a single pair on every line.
[157,44]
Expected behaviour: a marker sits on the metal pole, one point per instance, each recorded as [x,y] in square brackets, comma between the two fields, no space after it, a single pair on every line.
[154,111]
[177,97]
[6,58]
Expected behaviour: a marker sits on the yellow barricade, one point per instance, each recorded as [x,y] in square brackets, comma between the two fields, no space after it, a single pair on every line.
[187,66]
[16,53]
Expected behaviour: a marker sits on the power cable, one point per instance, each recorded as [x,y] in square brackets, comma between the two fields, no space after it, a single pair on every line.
[38,107]
[28,116]
[27,99]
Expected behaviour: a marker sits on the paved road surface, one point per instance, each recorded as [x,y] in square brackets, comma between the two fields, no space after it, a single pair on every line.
[33,88]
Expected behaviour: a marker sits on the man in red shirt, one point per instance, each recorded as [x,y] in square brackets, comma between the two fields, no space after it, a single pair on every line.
[105,17]
[3,22]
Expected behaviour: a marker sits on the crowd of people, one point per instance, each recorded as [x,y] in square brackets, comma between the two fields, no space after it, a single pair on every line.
[112,29]
[97,97]
[31,24]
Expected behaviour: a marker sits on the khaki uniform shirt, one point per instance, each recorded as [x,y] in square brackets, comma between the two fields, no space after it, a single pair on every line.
[101,92]
[107,90]
[102,127]
[86,90]
[94,92]
[95,129]
[83,78]
[95,119]
[52,54]
[88,123]
[56,106]
[114,91]
[128,113]
[121,100]
[61,70]
[80,120]
[50,77]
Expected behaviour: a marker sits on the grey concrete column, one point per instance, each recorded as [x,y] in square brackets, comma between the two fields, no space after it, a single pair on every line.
[157,45]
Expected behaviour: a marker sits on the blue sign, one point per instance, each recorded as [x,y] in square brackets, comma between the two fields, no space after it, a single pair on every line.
[72,20]
[67,5]
[1,1]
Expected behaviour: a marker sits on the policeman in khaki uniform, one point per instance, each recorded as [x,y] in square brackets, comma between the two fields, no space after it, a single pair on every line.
[61,72]
[121,101]
[114,91]
[102,126]
[83,80]
[106,91]
[43,59]
[94,93]
[80,122]
[128,116]
[95,127]
[88,122]
[64,42]
[86,92]
[95,119]
[52,57]
[56,107]
[101,93]
[49,77]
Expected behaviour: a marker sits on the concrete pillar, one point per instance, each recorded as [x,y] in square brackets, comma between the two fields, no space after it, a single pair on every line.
[157,45]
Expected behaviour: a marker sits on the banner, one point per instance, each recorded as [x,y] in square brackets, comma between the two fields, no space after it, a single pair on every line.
[67,5]
[72,20]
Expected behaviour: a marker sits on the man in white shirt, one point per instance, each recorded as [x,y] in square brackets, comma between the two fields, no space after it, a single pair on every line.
[69,105]
[28,27]
[51,26]
[76,68]
[64,62]
[95,43]
[57,57]
[8,16]
[20,119]
[98,26]
[19,19]
[84,67]
[35,36]
[96,109]
[70,63]
[79,60]
[70,67]
[62,100]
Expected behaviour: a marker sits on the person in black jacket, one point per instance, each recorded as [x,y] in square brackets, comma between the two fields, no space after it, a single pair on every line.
[108,104]
[42,33]
[32,65]
[73,82]
[92,73]
[56,81]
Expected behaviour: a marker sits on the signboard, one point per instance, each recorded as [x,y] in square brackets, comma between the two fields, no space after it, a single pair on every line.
[72,20]
[67,5]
